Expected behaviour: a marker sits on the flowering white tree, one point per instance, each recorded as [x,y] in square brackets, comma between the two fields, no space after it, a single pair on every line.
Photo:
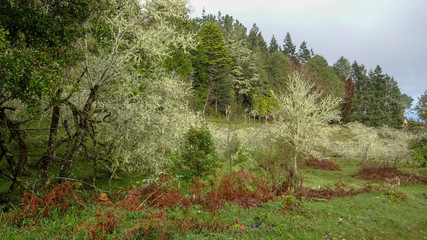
[122,98]
[302,120]
[377,144]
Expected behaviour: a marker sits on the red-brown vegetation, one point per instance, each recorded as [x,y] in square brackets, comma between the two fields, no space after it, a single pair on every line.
[53,196]
[241,188]
[323,164]
[328,193]
[106,222]
[388,174]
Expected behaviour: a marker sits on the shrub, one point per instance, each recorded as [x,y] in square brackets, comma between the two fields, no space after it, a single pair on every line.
[198,158]
[419,150]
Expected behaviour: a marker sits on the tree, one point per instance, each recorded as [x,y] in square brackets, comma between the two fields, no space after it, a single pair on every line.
[407,101]
[347,104]
[274,46]
[324,77]
[218,65]
[255,38]
[421,106]
[289,49]
[303,53]
[302,120]
[364,92]
[244,74]
[342,67]
[41,39]
[278,67]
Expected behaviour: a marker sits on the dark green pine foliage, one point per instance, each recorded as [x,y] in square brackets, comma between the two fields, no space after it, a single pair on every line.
[378,98]
[303,53]
[219,90]
[421,106]
[255,38]
[407,101]
[363,95]
[377,115]
[394,105]
[179,62]
[200,76]
[324,77]
[289,49]
[278,67]
[342,67]
[274,46]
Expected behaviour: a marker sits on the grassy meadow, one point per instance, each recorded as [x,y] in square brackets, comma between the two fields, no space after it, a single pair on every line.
[331,204]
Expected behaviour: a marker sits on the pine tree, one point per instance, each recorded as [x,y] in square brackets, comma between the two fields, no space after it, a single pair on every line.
[407,101]
[303,53]
[342,67]
[363,92]
[278,69]
[421,106]
[289,48]
[255,38]
[218,66]
[274,46]
[324,77]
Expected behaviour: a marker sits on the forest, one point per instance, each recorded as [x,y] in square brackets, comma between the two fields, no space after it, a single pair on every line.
[127,119]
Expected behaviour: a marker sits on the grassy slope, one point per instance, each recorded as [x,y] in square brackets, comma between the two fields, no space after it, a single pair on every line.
[366,216]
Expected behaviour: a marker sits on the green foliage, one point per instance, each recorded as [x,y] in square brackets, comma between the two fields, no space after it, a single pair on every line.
[421,106]
[278,67]
[303,53]
[342,67]
[419,150]
[199,158]
[274,46]
[407,101]
[179,62]
[378,99]
[289,49]
[40,44]
[394,196]
[265,104]
[219,88]
[324,77]
[255,38]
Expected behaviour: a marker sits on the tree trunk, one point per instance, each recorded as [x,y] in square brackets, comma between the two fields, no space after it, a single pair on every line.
[365,155]
[23,157]
[48,155]
[83,128]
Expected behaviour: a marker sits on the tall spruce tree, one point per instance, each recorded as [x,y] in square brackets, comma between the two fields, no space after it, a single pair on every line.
[219,91]
[274,46]
[407,101]
[303,53]
[393,103]
[342,67]
[421,106]
[363,92]
[324,77]
[255,38]
[289,49]
[378,99]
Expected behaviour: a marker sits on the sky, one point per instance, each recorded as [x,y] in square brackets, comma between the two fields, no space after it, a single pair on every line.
[389,33]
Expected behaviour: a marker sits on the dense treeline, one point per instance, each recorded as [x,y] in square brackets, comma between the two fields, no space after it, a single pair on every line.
[119,83]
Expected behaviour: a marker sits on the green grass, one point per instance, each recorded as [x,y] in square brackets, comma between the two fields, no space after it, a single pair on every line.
[366,216]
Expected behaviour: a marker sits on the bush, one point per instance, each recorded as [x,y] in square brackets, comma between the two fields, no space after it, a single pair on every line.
[198,158]
[419,150]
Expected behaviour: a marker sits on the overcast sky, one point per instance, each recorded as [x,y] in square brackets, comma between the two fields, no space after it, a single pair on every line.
[389,33]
